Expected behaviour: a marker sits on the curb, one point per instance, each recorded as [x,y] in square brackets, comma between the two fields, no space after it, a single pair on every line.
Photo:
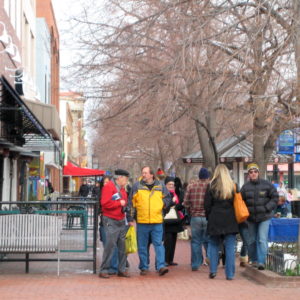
[271,279]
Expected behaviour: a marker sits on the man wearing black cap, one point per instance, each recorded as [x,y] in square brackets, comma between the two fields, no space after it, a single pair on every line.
[113,201]
[194,203]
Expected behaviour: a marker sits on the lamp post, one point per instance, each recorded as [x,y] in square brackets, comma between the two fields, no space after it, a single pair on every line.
[275,173]
[296,152]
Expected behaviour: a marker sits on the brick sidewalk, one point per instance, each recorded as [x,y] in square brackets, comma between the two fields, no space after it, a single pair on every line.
[180,283]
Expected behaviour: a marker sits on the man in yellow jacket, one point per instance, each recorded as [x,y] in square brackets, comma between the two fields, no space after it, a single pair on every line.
[148,199]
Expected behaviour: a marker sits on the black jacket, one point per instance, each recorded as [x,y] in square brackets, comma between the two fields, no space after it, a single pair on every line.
[84,190]
[219,214]
[261,199]
[96,192]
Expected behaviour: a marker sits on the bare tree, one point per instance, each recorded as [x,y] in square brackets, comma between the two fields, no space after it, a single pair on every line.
[165,71]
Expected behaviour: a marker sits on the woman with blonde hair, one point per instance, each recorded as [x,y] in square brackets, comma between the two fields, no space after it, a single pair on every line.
[222,226]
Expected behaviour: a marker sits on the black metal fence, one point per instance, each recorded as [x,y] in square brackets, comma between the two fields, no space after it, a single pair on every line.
[284,247]
[80,224]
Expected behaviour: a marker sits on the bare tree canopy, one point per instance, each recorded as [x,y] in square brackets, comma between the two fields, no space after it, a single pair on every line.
[168,77]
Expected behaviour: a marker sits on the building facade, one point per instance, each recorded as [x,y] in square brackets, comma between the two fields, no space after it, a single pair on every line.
[74,143]
[29,123]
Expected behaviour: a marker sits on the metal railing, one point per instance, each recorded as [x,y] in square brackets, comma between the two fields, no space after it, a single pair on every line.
[79,217]
[284,250]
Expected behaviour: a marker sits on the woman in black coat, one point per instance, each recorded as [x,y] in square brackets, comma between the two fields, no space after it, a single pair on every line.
[172,227]
[222,225]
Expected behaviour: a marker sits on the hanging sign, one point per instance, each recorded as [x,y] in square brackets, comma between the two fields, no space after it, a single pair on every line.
[285,142]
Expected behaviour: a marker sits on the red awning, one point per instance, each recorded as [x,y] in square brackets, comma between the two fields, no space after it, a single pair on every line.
[72,170]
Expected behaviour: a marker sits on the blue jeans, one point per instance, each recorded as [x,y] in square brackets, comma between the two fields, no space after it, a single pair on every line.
[199,239]
[213,253]
[244,233]
[114,263]
[144,232]
[258,241]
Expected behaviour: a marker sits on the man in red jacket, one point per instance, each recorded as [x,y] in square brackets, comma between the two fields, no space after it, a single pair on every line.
[113,202]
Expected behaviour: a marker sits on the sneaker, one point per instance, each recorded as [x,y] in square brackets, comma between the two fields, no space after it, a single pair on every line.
[163,271]
[103,275]
[212,275]
[195,269]
[261,267]
[144,272]
[173,264]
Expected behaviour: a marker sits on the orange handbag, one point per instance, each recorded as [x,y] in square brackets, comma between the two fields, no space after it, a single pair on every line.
[240,208]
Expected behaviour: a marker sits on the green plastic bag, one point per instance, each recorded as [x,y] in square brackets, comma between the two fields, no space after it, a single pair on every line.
[130,241]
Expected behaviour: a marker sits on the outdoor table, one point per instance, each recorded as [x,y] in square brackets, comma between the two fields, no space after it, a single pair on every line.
[284,230]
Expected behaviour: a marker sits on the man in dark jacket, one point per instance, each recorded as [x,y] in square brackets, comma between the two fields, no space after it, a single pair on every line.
[84,189]
[261,199]
[96,191]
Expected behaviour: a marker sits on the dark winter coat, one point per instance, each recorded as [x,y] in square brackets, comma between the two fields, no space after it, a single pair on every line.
[84,190]
[261,199]
[219,214]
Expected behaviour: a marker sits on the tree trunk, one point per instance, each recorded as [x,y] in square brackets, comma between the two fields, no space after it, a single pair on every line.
[207,144]
[297,44]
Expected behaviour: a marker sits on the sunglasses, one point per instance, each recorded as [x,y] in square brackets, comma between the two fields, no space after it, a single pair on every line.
[253,171]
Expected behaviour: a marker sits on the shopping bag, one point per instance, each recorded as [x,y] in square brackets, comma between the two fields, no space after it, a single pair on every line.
[172,217]
[183,235]
[240,208]
[130,241]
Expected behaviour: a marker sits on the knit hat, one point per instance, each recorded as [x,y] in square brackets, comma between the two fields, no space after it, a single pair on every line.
[203,173]
[121,172]
[252,166]
[169,179]
[160,172]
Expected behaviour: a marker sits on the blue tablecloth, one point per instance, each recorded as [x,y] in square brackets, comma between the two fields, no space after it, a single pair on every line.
[284,230]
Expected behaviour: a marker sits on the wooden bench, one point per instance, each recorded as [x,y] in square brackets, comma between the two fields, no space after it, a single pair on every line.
[30,233]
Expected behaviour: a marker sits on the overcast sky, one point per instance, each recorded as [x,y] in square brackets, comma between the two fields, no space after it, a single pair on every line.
[64,9]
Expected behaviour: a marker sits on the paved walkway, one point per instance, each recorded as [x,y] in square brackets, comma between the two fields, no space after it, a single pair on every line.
[179,283]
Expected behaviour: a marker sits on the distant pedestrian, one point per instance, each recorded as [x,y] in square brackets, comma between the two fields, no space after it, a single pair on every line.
[96,191]
[84,189]
[160,175]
